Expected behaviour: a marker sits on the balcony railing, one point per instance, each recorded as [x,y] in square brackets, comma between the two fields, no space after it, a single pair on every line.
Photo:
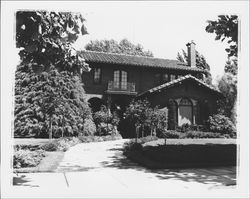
[121,88]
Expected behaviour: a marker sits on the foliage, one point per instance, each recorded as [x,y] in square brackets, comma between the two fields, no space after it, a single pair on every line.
[200,134]
[105,121]
[123,47]
[221,124]
[191,127]
[140,114]
[27,158]
[228,87]
[61,144]
[89,127]
[200,63]
[170,134]
[231,66]
[226,27]
[49,96]
[45,39]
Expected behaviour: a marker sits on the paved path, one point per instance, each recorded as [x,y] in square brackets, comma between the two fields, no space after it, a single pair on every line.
[100,168]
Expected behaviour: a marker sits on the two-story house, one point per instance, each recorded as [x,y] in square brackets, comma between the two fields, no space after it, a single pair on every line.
[115,79]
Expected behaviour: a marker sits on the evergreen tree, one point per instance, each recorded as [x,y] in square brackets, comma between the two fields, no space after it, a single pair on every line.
[49,96]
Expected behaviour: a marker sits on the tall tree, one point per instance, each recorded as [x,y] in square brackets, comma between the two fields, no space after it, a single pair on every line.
[200,63]
[49,96]
[226,27]
[228,86]
[122,47]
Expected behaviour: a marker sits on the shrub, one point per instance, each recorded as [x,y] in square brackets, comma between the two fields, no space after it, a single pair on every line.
[61,144]
[26,158]
[54,95]
[89,127]
[105,121]
[51,146]
[170,134]
[132,146]
[26,147]
[199,134]
[221,124]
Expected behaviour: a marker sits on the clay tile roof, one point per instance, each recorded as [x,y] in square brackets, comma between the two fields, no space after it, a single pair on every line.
[140,61]
[176,81]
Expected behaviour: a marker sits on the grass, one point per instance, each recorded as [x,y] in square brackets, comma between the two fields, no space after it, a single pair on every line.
[48,164]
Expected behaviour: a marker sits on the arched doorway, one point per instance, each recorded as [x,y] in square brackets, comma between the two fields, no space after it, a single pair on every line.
[185,112]
[95,104]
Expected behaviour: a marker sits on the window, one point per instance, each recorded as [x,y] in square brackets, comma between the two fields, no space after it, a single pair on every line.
[165,78]
[124,80]
[120,79]
[97,75]
[172,77]
[185,112]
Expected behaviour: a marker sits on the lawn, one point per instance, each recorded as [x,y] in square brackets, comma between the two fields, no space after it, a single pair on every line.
[191,141]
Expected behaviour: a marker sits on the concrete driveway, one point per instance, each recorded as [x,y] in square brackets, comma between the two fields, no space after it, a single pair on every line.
[100,169]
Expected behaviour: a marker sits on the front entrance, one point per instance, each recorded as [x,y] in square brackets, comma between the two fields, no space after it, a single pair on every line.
[185,112]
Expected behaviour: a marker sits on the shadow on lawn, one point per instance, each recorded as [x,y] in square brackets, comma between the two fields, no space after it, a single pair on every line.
[22,180]
[213,175]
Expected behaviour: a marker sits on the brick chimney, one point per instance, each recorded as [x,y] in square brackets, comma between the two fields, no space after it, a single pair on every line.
[191,54]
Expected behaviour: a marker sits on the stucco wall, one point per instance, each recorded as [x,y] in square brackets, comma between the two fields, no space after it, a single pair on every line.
[144,78]
[191,90]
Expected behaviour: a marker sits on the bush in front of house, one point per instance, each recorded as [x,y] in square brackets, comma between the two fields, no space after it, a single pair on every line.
[199,134]
[27,158]
[89,127]
[221,124]
[190,127]
[106,123]
[61,144]
[171,134]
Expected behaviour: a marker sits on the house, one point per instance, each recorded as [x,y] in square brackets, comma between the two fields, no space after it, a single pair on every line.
[115,79]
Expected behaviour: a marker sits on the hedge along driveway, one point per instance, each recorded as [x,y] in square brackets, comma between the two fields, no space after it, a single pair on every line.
[185,153]
[191,141]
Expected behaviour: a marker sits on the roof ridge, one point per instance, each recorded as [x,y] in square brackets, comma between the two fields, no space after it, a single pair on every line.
[140,56]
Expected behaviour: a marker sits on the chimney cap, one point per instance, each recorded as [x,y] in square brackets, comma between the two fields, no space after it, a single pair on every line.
[189,43]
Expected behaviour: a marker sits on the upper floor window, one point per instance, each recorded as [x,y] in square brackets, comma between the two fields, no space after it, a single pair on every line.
[97,75]
[172,77]
[165,78]
[120,79]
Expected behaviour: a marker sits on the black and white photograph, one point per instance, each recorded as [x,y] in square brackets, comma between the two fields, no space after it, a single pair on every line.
[125,99]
